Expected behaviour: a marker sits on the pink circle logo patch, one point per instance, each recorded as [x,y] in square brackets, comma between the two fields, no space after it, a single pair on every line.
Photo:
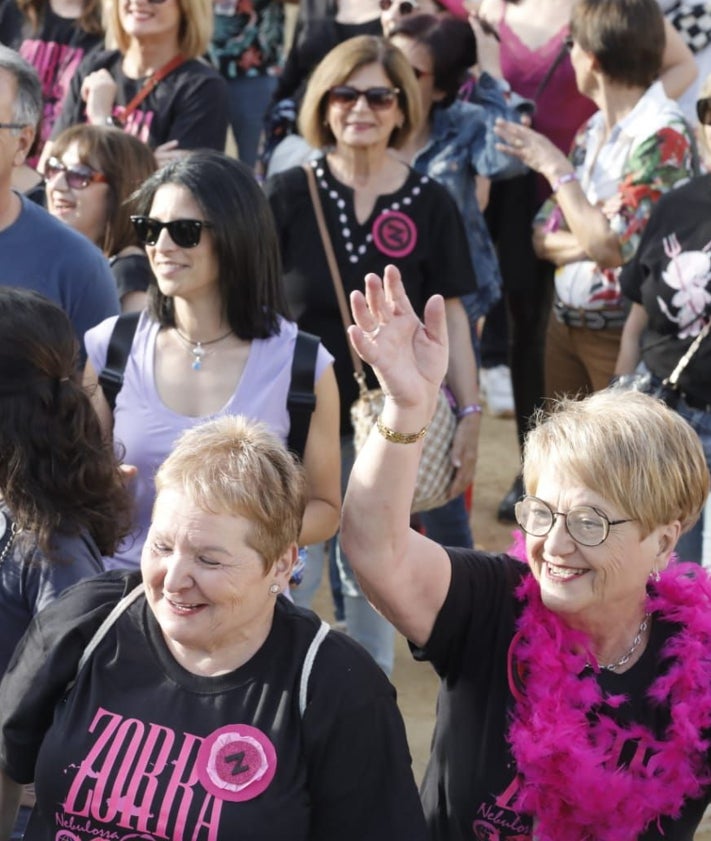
[394,234]
[236,762]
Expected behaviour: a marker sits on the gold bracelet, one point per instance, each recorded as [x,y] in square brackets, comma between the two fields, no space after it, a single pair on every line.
[400,437]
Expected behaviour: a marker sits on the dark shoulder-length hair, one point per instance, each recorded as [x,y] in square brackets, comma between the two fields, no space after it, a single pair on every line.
[244,235]
[125,161]
[451,43]
[58,471]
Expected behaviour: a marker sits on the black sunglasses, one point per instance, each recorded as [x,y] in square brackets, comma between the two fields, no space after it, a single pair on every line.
[77,177]
[703,110]
[379,99]
[406,7]
[185,233]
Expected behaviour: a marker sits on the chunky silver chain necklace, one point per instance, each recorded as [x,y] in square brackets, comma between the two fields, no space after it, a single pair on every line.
[10,539]
[612,667]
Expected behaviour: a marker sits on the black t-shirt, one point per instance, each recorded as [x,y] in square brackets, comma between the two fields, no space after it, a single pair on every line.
[418,228]
[132,273]
[670,275]
[10,23]
[316,33]
[56,51]
[189,105]
[141,748]
[469,789]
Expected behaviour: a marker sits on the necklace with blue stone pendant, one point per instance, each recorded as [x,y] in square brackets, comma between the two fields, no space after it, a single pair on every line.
[197,349]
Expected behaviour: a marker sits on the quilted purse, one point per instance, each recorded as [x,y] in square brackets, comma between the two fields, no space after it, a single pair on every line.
[435,471]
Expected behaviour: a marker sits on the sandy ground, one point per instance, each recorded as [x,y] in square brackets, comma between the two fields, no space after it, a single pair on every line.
[416,683]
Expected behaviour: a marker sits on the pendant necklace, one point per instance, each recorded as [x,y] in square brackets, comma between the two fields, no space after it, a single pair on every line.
[198,348]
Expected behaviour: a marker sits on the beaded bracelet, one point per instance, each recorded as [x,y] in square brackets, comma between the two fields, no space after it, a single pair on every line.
[400,437]
[471,409]
[563,179]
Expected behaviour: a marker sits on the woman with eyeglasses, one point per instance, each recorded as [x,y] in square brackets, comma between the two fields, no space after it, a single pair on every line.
[575,698]
[155,83]
[361,106]
[215,339]
[92,172]
[668,282]
[320,26]
[62,500]
[635,148]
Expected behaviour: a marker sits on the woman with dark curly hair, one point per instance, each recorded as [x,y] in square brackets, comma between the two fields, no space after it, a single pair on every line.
[62,500]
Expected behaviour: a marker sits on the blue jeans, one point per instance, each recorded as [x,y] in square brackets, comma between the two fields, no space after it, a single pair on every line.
[689,547]
[304,594]
[363,622]
[249,97]
[449,525]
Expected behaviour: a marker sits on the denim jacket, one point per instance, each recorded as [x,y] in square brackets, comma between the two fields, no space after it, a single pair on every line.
[461,146]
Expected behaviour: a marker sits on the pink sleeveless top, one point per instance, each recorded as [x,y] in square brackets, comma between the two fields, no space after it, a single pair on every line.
[560,109]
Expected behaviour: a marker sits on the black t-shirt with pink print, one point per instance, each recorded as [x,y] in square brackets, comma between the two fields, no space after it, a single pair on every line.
[189,105]
[56,50]
[670,275]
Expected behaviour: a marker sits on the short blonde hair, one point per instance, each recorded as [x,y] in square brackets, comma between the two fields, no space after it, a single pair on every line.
[235,466]
[337,67]
[630,448]
[196,25]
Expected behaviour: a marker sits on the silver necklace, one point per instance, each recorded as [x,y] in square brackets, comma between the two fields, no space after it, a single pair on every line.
[10,540]
[198,348]
[611,667]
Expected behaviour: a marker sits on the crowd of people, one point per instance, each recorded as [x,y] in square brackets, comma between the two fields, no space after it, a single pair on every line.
[216,232]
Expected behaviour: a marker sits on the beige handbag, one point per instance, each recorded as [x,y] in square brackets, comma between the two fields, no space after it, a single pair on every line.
[435,472]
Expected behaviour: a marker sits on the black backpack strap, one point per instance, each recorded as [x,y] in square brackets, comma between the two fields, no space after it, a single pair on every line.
[111,376]
[301,400]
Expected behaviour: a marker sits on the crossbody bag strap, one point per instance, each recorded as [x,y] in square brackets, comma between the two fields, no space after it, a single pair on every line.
[103,629]
[673,378]
[117,353]
[150,84]
[335,272]
[301,400]
[308,665]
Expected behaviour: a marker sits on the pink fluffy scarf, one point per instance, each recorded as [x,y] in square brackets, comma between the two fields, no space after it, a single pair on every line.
[565,740]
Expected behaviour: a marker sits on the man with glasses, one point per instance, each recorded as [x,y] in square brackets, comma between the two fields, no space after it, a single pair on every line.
[37,251]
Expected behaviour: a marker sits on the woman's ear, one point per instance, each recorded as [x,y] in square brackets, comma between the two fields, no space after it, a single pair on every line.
[667,537]
[284,565]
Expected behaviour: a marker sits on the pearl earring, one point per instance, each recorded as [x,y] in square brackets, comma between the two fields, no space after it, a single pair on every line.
[274,588]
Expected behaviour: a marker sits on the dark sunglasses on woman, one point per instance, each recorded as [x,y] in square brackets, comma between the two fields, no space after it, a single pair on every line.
[77,177]
[405,7]
[185,233]
[703,110]
[379,99]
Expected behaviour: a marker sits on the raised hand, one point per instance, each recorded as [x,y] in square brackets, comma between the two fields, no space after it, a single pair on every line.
[409,356]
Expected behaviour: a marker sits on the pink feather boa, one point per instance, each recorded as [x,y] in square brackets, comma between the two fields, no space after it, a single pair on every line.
[571,783]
